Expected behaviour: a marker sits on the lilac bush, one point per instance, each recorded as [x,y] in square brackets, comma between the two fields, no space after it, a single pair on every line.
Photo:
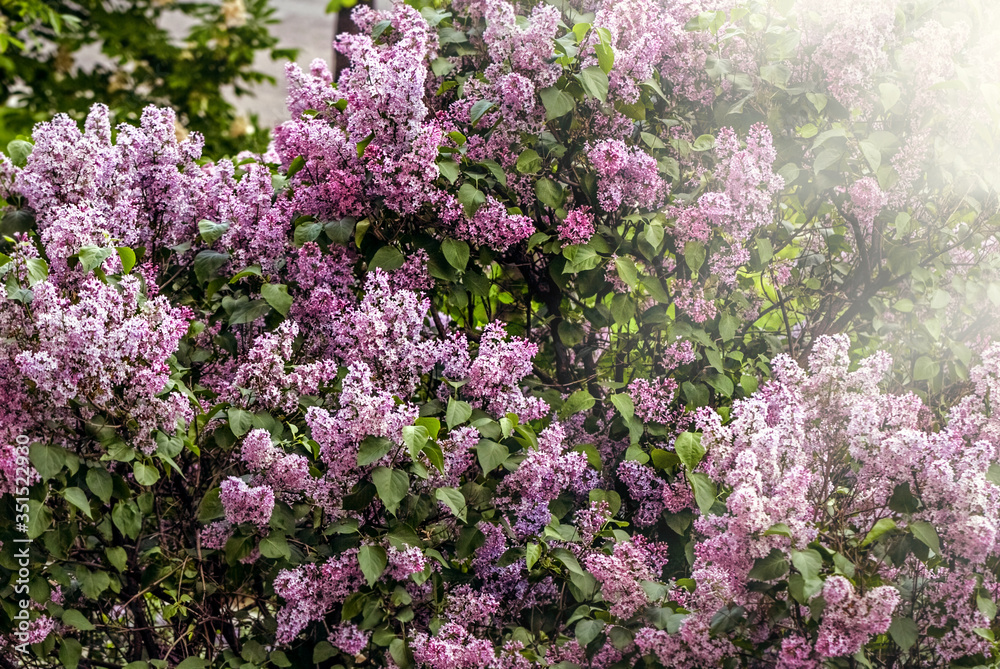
[605,334]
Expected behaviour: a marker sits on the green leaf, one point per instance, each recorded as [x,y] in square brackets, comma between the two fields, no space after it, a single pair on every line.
[779,529]
[18,151]
[479,109]
[612,498]
[373,449]
[471,198]
[889,94]
[456,252]
[323,651]
[623,402]
[581,400]
[117,557]
[529,162]
[275,546]
[211,231]
[47,459]
[771,567]
[207,263]
[557,102]
[341,231]
[627,271]
[252,270]
[454,499]
[74,618]
[388,258]
[872,155]
[392,486]
[94,583]
[210,507]
[78,498]
[240,421]
[531,554]
[277,296]
[689,449]
[145,475]
[127,257]
[925,369]
[704,491]
[373,560]
[727,326]
[549,193]
[92,257]
[808,563]
[457,413]
[70,651]
[986,606]
[39,519]
[926,534]
[38,270]
[248,311]
[491,454]
[415,436]
[588,630]
[595,82]
[904,632]
[704,143]
[694,255]
[293,168]
[307,232]
[605,56]
[99,482]
[127,518]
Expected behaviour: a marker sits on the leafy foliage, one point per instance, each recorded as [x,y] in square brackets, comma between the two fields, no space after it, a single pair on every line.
[547,336]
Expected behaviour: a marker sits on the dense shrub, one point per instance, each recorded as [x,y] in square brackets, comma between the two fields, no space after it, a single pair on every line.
[594,335]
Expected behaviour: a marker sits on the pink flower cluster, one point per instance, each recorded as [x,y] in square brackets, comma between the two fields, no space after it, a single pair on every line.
[626,177]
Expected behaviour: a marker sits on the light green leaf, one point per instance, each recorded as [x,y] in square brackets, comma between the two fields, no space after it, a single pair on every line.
[277,296]
[704,491]
[127,256]
[529,162]
[457,413]
[92,257]
[74,618]
[454,499]
[211,231]
[392,486]
[595,82]
[240,421]
[48,459]
[275,546]
[99,482]
[557,102]
[689,449]
[78,498]
[145,475]
[479,109]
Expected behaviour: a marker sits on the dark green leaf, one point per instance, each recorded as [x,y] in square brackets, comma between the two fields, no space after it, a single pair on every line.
[373,560]
[456,252]
[373,449]
[771,567]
